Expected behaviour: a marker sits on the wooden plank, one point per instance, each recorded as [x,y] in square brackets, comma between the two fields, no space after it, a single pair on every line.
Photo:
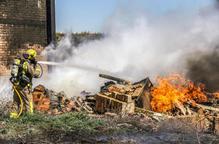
[208,107]
[138,90]
[110,98]
[122,97]
[118,96]
[109,104]
[146,100]
[141,110]
[216,125]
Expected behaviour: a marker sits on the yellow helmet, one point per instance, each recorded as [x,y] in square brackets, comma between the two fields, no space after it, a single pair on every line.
[30,54]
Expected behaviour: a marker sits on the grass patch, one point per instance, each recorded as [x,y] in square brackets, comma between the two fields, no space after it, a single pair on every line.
[72,122]
[37,123]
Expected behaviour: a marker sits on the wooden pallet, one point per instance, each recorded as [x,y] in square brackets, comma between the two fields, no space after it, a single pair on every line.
[114,103]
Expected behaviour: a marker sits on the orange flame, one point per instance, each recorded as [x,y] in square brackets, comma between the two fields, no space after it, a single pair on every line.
[173,89]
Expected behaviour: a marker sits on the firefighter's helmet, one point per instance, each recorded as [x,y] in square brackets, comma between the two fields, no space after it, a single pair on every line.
[30,54]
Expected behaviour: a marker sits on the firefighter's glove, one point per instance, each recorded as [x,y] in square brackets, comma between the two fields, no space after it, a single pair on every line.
[34,61]
[14,80]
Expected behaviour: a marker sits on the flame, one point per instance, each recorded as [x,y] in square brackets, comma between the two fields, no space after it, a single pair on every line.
[173,89]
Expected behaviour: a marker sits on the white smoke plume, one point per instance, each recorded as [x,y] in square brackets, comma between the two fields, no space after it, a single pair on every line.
[5,90]
[135,47]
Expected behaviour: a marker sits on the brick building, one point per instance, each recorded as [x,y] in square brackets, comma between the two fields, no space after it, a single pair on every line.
[24,24]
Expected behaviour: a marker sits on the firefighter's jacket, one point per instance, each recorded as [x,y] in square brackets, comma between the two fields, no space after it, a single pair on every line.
[24,71]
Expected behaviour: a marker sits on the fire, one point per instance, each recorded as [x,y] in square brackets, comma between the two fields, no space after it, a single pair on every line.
[173,90]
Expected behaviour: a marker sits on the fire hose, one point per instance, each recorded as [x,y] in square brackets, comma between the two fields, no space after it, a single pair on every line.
[41,70]
[14,114]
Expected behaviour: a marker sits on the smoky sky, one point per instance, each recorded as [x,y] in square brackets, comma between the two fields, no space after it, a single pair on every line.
[136,47]
[205,69]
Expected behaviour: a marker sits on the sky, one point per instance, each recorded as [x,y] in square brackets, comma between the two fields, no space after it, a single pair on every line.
[90,15]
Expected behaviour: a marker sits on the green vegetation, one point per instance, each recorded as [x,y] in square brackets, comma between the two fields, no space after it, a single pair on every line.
[36,124]
[82,128]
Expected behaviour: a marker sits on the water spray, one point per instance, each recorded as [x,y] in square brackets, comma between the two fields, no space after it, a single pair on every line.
[82,67]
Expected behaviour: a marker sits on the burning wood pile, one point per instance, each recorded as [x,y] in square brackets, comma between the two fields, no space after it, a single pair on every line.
[171,96]
[174,95]
[181,98]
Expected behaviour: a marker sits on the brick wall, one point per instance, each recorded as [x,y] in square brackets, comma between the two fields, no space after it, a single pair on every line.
[22,25]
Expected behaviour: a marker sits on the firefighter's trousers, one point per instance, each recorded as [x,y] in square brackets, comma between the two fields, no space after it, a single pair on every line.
[26,96]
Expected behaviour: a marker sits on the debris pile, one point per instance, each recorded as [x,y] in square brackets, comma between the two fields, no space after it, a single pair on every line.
[171,97]
[55,103]
[123,96]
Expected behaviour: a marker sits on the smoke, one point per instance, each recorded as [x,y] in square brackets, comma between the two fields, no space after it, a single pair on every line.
[205,69]
[135,47]
[217,4]
[5,90]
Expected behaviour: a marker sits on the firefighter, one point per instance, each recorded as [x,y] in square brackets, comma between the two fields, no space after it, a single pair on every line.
[24,69]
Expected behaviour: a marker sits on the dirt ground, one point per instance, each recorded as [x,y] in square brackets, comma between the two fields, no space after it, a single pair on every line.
[83,128]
